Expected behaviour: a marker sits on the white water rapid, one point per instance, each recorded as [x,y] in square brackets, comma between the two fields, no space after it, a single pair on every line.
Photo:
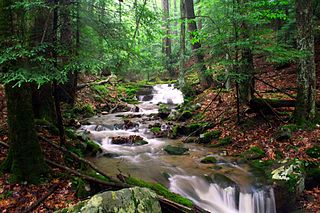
[182,174]
[215,198]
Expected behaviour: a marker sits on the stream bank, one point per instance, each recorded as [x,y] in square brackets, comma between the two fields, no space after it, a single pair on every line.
[225,185]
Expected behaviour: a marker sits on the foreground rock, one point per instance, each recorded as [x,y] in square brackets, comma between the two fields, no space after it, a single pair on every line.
[132,200]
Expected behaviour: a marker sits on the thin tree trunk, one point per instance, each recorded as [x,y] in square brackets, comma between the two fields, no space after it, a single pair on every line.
[205,80]
[166,46]
[306,76]
[182,45]
[246,68]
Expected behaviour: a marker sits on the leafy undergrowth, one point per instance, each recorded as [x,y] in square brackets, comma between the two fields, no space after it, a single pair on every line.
[256,129]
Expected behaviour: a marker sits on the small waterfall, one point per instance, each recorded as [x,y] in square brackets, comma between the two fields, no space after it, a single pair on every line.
[165,93]
[216,199]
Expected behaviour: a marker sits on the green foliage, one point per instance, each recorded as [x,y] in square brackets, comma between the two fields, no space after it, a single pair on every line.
[313,152]
[155,129]
[160,190]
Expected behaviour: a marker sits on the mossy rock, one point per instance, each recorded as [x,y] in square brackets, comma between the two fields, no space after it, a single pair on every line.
[140,142]
[209,136]
[285,132]
[92,148]
[313,152]
[155,129]
[136,199]
[253,153]
[209,160]
[164,111]
[185,115]
[175,150]
[262,167]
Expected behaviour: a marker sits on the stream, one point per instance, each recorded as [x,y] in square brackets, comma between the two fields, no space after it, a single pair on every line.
[228,186]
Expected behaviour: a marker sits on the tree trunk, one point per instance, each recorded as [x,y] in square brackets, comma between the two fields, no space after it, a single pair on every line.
[25,161]
[43,103]
[246,68]
[42,98]
[67,91]
[182,45]
[205,80]
[166,46]
[306,76]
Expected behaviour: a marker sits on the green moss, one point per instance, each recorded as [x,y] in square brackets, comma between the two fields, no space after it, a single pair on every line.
[209,136]
[92,148]
[48,125]
[160,190]
[262,168]
[79,185]
[185,115]
[253,153]
[209,160]
[291,127]
[84,110]
[174,132]
[155,129]
[101,89]
[70,133]
[93,173]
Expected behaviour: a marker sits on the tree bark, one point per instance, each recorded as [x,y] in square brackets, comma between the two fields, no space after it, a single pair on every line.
[182,45]
[25,161]
[205,80]
[306,75]
[167,44]
[246,68]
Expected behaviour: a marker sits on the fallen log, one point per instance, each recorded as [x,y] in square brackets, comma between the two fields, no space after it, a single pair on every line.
[112,185]
[259,103]
[81,86]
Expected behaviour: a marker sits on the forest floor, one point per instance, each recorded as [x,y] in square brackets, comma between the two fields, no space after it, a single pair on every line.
[254,129]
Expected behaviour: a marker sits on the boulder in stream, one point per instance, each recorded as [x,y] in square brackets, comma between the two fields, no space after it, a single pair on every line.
[175,150]
[209,160]
[134,140]
[131,200]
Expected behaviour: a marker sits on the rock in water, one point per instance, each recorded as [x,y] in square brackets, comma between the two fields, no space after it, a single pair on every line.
[175,150]
[132,200]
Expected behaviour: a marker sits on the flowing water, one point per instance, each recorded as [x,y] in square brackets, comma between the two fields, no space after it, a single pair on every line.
[235,191]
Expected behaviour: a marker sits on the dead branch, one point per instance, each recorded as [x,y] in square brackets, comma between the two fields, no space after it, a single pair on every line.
[51,190]
[113,185]
[81,86]
[279,90]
